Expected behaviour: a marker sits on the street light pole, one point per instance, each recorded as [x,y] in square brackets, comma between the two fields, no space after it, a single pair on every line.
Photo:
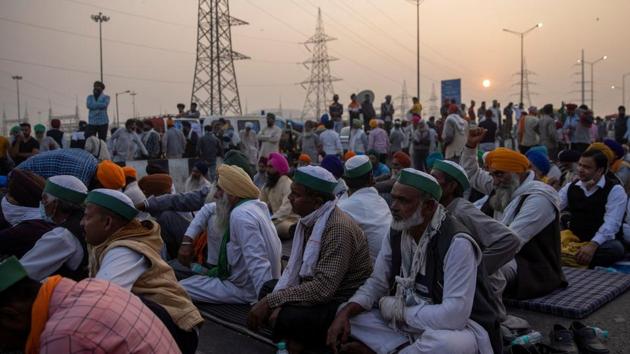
[133,103]
[592,64]
[522,37]
[417,2]
[117,117]
[100,18]
[17,79]
[623,88]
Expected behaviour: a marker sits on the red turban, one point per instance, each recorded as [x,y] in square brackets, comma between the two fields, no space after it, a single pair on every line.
[403,159]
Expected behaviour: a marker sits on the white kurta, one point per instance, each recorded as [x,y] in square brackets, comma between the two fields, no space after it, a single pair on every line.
[122,266]
[204,221]
[368,209]
[54,249]
[253,254]
[436,328]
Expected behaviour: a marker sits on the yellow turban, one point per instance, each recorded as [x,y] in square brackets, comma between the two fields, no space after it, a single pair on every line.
[234,181]
[610,155]
[506,160]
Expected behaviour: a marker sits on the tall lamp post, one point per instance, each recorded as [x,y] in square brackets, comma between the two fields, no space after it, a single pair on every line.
[117,117]
[100,18]
[522,36]
[17,79]
[592,64]
[623,88]
[417,3]
[133,102]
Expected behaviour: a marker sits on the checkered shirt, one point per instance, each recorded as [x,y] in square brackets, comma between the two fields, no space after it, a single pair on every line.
[73,162]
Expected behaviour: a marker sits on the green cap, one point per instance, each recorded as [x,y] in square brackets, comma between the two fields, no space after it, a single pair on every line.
[454,170]
[421,181]
[11,272]
[357,166]
[315,178]
[114,201]
[39,128]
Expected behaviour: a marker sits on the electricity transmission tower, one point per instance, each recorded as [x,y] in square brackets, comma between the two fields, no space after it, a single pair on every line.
[524,83]
[319,87]
[215,89]
[404,101]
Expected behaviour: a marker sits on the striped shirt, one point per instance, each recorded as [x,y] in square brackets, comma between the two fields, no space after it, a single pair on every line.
[343,266]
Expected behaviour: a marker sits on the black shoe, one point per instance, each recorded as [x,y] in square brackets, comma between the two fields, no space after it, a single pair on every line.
[587,340]
[561,339]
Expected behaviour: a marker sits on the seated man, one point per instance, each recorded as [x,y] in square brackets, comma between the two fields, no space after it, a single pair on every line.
[125,251]
[368,209]
[597,203]
[243,247]
[499,244]
[329,260]
[275,193]
[63,316]
[429,282]
[62,250]
[529,208]
[20,213]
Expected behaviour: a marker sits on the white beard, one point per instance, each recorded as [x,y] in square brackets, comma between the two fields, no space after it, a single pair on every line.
[222,214]
[415,220]
[503,195]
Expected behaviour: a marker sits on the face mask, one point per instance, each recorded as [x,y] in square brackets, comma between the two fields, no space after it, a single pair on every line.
[42,213]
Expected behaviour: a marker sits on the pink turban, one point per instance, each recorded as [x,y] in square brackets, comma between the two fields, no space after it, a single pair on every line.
[279,163]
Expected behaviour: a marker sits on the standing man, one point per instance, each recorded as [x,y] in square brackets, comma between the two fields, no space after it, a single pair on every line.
[396,137]
[354,109]
[125,142]
[208,149]
[454,134]
[97,103]
[368,112]
[24,145]
[527,132]
[181,110]
[488,143]
[330,141]
[192,138]
[621,125]
[249,143]
[578,127]
[54,131]
[151,140]
[471,112]
[548,132]
[379,141]
[269,137]
[416,108]
[173,142]
[193,112]
[336,111]
[387,112]
[481,112]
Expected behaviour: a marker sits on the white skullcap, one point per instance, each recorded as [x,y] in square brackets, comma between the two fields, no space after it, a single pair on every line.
[357,166]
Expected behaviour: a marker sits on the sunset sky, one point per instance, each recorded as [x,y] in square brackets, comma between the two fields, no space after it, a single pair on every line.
[53,45]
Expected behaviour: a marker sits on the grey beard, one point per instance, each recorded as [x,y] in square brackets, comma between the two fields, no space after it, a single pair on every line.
[503,195]
[222,214]
[415,220]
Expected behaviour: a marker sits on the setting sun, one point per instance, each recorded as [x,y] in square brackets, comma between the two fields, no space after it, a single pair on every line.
[486,83]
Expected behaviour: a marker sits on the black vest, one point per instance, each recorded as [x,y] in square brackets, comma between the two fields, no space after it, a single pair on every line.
[73,224]
[538,261]
[431,285]
[587,213]
[19,239]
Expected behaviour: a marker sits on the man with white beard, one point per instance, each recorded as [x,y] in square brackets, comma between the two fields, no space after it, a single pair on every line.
[440,303]
[243,247]
[529,208]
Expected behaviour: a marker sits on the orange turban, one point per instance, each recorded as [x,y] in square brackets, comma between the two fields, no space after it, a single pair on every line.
[130,172]
[373,123]
[110,175]
[305,158]
[403,159]
[348,155]
[156,184]
[506,160]
[610,155]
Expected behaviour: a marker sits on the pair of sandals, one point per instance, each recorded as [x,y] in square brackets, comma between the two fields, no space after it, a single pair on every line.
[578,338]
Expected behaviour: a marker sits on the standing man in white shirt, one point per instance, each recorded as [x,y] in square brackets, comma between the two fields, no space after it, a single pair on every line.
[331,143]
[269,137]
[597,204]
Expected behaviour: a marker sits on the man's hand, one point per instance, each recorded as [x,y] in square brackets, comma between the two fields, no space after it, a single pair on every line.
[585,254]
[259,314]
[338,332]
[274,316]
[185,254]
[475,136]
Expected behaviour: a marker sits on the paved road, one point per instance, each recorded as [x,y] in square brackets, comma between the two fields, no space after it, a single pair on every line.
[615,317]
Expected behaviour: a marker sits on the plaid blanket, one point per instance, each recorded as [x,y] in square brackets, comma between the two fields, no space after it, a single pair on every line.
[588,290]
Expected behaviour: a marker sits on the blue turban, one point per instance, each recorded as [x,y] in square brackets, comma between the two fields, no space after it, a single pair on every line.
[202,167]
[333,164]
[540,148]
[615,147]
[539,160]
[431,159]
